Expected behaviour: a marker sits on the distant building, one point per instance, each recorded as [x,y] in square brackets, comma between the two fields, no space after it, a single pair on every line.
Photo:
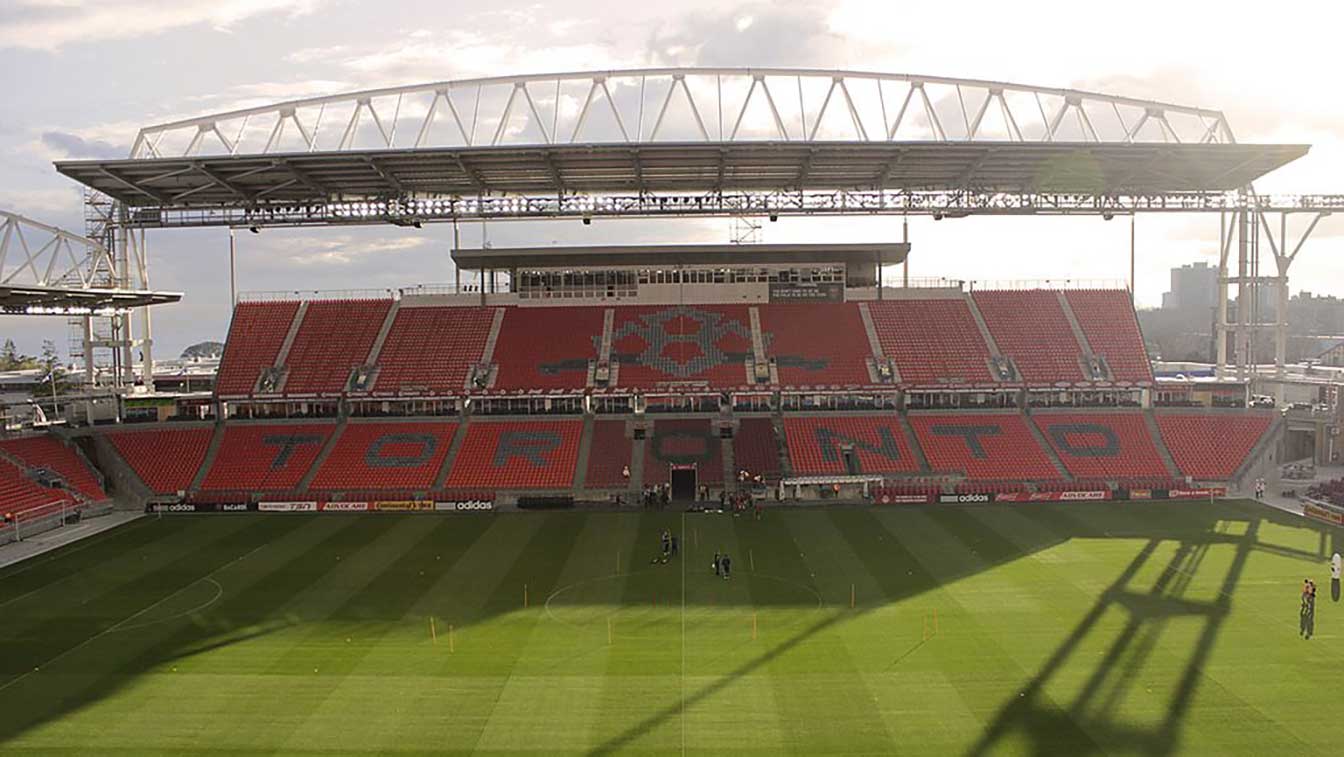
[1194,287]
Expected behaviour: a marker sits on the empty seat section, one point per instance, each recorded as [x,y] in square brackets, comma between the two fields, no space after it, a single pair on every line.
[166,460]
[987,446]
[256,333]
[848,445]
[18,493]
[755,449]
[608,456]
[265,457]
[1030,327]
[430,350]
[51,453]
[690,441]
[517,455]
[385,457]
[1112,330]
[1212,446]
[932,341]
[701,343]
[334,338]
[547,348]
[1103,446]
[815,343]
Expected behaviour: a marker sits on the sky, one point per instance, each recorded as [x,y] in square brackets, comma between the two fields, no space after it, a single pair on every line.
[82,76]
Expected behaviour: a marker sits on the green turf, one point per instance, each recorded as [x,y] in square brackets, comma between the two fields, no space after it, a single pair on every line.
[1062,629]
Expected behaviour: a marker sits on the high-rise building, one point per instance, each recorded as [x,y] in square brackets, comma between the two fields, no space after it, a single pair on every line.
[1194,287]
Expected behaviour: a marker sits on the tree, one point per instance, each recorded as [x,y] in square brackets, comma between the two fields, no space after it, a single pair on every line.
[53,380]
[11,360]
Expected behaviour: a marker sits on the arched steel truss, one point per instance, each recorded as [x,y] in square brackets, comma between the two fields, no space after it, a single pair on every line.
[656,105]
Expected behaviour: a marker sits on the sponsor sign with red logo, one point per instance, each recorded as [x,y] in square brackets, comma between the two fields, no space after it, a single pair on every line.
[1140,493]
[904,499]
[345,507]
[287,507]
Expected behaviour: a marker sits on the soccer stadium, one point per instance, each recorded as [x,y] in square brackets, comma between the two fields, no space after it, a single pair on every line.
[672,497]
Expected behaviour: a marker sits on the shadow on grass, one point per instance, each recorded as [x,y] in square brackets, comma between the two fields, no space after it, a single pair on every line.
[89,672]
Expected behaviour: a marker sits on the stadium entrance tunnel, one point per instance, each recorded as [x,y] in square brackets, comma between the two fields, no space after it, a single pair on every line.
[327,595]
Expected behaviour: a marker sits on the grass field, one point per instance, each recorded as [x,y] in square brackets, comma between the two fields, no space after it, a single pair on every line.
[1061,630]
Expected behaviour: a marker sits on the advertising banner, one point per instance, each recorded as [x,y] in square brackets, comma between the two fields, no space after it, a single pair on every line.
[904,499]
[471,505]
[1206,493]
[807,292]
[1085,496]
[1335,517]
[345,507]
[402,505]
[287,507]
[964,499]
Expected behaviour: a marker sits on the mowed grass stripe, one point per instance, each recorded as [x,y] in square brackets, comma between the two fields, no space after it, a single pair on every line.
[184,659]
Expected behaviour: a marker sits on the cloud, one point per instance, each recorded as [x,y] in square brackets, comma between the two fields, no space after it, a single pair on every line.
[37,25]
[70,145]
[343,250]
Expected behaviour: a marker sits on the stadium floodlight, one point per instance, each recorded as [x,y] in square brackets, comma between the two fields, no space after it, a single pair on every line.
[254,229]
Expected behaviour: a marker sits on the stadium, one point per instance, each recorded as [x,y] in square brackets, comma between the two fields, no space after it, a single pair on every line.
[678,497]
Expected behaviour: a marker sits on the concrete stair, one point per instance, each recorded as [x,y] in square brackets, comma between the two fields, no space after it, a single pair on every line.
[378,341]
[211,452]
[1049,450]
[913,441]
[459,437]
[1173,470]
[585,450]
[322,456]
[282,356]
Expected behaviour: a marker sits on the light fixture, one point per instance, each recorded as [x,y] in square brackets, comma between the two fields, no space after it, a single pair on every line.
[254,229]
[774,217]
[1107,216]
[587,220]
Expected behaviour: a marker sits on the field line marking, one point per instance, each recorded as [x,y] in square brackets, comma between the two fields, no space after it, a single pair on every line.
[129,618]
[219,592]
[60,552]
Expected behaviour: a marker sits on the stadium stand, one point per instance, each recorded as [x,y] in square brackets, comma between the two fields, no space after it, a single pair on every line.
[1103,446]
[517,455]
[1329,491]
[19,494]
[755,448]
[815,343]
[547,348]
[256,333]
[1211,446]
[374,457]
[608,456]
[988,446]
[265,457]
[817,445]
[1112,330]
[701,343]
[1030,327]
[932,341]
[334,338]
[686,441]
[431,350]
[51,453]
[167,459]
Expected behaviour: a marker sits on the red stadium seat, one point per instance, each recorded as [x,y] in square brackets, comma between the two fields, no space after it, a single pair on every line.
[334,338]
[816,445]
[1030,327]
[165,459]
[932,341]
[816,343]
[431,350]
[690,441]
[20,494]
[51,453]
[547,347]
[708,344]
[982,446]
[265,457]
[755,449]
[256,333]
[1211,446]
[608,456]
[517,455]
[1103,446]
[1112,330]
[374,457]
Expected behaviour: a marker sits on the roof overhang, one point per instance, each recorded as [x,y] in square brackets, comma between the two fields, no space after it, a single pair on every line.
[527,258]
[231,181]
[38,300]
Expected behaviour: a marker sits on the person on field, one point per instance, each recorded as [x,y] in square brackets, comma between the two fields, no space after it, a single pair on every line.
[727,565]
[718,564]
[1307,611]
[1336,565]
[675,546]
